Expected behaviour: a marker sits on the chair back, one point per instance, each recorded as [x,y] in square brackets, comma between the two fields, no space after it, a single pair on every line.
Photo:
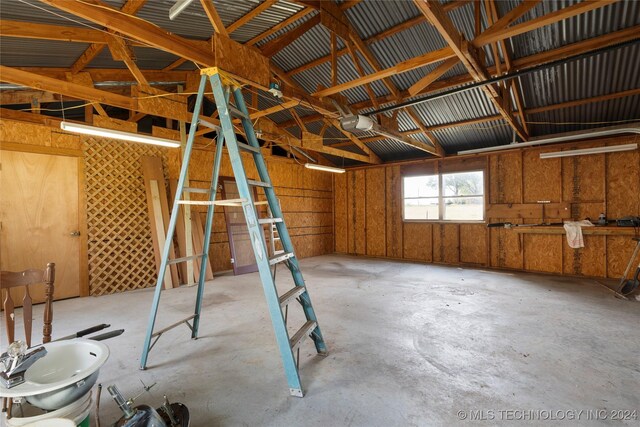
[9,280]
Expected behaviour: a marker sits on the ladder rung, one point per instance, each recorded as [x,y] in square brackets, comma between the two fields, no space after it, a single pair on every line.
[276,238]
[281,257]
[278,252]
[183,259]
[247,147]
[208,124]
[196,190]
[237,113]
[227,202]
[299,336]
[292,294]
[258,183]
[269,220]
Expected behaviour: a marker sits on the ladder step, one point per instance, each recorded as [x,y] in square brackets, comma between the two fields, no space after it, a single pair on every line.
[208,124]
[227,202]
[291,294]
[281,257]
[269,220]
[247,147]
[299,336]
[237,113]
[258,183]
[196,190]
[183,259]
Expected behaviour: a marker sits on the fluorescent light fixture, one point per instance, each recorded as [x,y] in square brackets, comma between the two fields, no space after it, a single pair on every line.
[585,151]
[177,8]
[573,136]
[116,134]
[324,168]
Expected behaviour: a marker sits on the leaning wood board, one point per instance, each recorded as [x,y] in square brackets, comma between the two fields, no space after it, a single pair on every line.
[152,171]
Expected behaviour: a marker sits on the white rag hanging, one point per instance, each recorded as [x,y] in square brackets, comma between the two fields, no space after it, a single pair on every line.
[574,232]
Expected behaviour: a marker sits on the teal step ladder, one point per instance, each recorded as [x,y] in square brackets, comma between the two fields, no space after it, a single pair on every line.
[224,87]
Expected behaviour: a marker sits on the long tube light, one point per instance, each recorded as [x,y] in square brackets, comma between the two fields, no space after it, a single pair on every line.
[177,8]
[116,134]
[594,150]
[588,134]
[324,168]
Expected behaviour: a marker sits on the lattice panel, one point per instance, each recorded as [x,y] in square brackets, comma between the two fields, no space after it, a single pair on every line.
[120,245]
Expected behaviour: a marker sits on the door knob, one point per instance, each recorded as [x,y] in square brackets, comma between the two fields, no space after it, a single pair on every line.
[74,233]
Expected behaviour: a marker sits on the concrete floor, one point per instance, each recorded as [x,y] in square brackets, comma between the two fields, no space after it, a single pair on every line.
[410,344]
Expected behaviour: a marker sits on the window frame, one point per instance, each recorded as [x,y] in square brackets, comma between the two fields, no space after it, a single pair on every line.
[441,199]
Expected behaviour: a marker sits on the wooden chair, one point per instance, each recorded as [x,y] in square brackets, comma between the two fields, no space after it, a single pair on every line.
[8,280]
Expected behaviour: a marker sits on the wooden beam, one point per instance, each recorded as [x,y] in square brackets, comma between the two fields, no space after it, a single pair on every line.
[500,32]
[130,7]
[437,148]
[361,72]
[31,30]
[469,57]
[304,12]
[514,84]
[252,14]
[276,45]
[122,52]
[401,67]
[584,46]
[578,102]
[112,74]
[214,18]
[138,29]
[380,36]
[280,107]
[512,15]
[434,75]
[334,59]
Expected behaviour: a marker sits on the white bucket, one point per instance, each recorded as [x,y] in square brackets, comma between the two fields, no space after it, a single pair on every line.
[77,412]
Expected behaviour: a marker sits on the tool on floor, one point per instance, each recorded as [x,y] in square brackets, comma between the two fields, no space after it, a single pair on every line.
[225,90]
[628,286]
[168,415]
[84,332]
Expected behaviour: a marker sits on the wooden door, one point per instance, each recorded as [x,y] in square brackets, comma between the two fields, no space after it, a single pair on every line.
[39,218]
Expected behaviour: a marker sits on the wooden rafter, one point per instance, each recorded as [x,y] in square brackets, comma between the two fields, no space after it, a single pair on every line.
[434,75]
[383,35]
[304,12]
[500,32]
[401,67]
[276,45]
[131,7]
[214,18]
[122,52]
[251,14]
[514,84]
[576,48]
[469,57]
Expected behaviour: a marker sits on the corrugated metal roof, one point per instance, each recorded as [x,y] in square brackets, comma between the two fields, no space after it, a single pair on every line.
[599,75]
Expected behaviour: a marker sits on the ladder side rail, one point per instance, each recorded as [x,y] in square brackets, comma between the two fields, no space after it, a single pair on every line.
[172,224]
[207,233]
[283,232]
[259,245]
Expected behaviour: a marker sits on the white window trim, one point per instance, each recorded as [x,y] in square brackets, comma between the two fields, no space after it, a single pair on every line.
[441,198]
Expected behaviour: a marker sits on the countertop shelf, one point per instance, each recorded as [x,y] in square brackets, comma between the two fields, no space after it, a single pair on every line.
[608,230]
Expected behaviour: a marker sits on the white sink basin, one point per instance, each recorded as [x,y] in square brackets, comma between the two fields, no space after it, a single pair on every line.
[67,372]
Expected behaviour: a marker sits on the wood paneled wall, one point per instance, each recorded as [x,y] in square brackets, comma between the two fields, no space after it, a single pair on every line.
[306,198]
[368,211]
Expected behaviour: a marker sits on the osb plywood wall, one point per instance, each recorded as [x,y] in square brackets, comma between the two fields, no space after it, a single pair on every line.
[368,211]
[306,198]
[120,250]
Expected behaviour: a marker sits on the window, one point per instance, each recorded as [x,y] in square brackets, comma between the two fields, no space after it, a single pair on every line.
[446,197]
